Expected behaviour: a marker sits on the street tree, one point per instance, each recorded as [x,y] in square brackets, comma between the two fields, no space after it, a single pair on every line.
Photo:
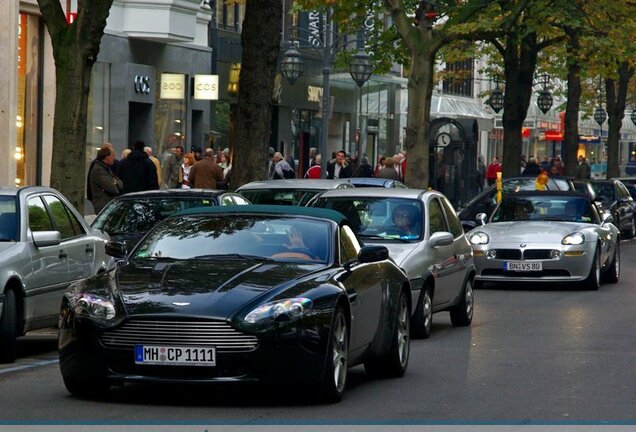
[260,39]
[75,48]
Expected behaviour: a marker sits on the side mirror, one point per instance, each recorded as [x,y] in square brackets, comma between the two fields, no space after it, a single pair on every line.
[481,218]
[115,249]
[606,217]
[369,254]
[46,238]
[441,238]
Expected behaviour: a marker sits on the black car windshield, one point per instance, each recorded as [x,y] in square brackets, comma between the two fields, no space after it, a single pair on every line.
[380,218]
[128,216]
[8,219]
[293,197]
[544,208]
[605,192]
[237,237]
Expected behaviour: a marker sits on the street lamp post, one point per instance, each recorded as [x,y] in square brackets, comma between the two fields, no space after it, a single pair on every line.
[292,67]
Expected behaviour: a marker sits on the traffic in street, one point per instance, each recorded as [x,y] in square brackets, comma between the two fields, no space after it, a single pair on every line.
[534,353]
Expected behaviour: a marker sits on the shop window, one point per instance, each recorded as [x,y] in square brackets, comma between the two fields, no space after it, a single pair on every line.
[170,122]
[97,112]
[28,116]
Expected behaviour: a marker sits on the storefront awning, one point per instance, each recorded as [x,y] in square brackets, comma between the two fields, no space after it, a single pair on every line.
[456,107]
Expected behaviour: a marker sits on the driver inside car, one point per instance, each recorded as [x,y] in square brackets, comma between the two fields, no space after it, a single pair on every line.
[405,219]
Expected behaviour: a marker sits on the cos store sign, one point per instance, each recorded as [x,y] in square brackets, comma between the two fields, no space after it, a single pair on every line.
[203,86]
[172,86]
[206,87]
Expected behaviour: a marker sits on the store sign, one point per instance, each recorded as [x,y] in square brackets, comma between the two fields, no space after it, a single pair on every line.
[206,87]
[314,93]
[172,86]
[142,84]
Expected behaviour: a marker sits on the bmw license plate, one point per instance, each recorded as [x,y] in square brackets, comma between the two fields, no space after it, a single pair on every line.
[175,355]
[522,266]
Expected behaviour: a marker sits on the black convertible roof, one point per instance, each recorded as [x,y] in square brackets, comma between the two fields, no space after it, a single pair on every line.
[267,210]
[547,193]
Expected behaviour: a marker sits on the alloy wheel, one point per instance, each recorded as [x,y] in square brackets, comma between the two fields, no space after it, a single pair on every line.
[339,352]
[403,331]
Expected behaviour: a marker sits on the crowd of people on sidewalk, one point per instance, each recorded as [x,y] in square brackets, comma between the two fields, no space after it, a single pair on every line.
[139,170]
[487,175]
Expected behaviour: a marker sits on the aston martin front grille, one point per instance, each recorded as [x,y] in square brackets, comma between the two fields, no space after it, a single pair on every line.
[508,254]
[179,332]
[537,254]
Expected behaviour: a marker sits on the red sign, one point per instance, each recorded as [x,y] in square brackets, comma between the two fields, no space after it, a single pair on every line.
[70,17]
[525,132]
[553,135]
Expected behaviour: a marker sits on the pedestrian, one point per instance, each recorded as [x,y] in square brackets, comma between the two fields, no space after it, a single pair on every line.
[545,164]
[314,171]
[523,163]
[155,161]
[89,192]
[481,173]
[364,168]
[103,182]
[282,169]
[491,172]
[583,170]
[339,168]
[206,174]
[196,151]
[172,167]
[137,171]
[227,169]
[379,165]
[313,152]
[560,168]
[125,152]
[388,171]
[271,163]
[532,168]
[184,172]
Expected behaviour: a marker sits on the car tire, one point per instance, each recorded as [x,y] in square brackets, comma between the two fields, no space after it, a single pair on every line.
[87,387]
[395,362]
[8,328]
[613,271]
[461,314]
[335,378]
[593,280]
[422,323]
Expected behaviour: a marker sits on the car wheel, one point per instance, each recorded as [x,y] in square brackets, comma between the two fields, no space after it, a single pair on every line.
[423,317]
[86,387]
[613,272]
[8,328]
[593,281]
[395,362]
[335,378]
[462,313]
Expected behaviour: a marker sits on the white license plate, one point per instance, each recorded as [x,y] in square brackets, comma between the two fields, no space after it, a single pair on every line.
[522,266]
[175,355]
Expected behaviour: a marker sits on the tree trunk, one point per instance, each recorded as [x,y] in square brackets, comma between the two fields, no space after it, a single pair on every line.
[260,38]
[572,106]
[616,101]
[417,140]
[520,59]
[75,49]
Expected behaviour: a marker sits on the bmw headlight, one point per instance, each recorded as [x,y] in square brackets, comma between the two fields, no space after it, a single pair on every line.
[93,306]
[573,239]
[288,309]
[479,238]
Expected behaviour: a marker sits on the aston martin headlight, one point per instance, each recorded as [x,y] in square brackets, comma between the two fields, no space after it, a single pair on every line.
[573,239]
[479,238]
[92,306]
[289,309]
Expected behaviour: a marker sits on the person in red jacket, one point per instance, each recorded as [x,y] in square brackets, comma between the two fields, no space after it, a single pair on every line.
[493,169]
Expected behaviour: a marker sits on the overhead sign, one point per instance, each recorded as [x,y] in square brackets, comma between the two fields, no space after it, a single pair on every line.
[206,87]
[172,86]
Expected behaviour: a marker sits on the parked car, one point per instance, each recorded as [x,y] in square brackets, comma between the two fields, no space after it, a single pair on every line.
[550,236]
[128,217]
[431,249]
[239,294]
[376,182]
[44,246]
[295,192]
[486,200]
[617,200]
[630,184]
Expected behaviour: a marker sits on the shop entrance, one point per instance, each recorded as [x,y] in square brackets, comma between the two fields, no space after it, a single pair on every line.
[453,158]
[140,123]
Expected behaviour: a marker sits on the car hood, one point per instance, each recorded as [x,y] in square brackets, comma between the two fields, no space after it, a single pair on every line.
[4,246]
[397,251]
[529,231]
[215,288]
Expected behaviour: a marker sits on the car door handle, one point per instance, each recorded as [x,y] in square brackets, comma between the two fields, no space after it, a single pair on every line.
[62,255]
[89,249]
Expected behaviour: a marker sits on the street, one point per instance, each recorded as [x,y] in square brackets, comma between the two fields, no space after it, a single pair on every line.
[533,354]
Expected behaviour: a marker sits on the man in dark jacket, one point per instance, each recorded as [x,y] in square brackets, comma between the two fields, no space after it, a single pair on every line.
[206,174]
[339,168]
[137,171]
[532,168]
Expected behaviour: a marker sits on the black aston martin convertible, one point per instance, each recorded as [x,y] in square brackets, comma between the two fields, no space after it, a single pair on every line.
[239,294]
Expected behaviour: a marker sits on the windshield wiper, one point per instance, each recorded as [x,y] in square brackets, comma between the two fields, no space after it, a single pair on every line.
[551,218]
[379,237]
[235,256]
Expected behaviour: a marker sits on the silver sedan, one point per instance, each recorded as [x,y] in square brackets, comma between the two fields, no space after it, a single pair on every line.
[424,237]
[45,244]
[546,236]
